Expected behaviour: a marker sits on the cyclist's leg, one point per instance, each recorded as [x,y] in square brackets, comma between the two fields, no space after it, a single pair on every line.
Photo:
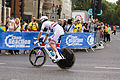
[52,44]
[53,41]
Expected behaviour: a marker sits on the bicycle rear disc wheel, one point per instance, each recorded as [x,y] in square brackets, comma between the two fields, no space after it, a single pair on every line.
[69,60]
[37,57]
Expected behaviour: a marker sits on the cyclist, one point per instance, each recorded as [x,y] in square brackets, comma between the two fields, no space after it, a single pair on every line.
[57,33]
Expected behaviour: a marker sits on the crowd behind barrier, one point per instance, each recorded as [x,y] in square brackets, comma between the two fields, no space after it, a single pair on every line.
[102,30]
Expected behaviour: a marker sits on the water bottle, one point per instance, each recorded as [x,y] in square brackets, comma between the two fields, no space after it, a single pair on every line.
[52,53]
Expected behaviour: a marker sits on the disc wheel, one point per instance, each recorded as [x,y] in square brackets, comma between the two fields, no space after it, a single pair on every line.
[69,60]
[37,57]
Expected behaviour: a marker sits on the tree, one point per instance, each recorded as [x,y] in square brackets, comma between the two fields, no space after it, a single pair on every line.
[111,11]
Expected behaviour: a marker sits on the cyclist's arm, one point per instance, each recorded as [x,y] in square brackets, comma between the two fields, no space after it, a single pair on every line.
[46,37]
[40,33]
[48,31]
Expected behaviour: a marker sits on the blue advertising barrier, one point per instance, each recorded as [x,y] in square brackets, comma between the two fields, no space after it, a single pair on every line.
[18,40]
[24,40]
[77,40]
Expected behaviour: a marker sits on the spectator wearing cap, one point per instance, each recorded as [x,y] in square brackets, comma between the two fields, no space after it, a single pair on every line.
[70,26]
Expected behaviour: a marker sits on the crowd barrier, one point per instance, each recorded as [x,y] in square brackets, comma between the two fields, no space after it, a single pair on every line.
[2,28]
[24,40]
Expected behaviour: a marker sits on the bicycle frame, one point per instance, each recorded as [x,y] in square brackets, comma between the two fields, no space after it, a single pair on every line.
[47,51]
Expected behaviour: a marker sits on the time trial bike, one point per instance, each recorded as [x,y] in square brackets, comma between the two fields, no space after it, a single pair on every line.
[37,56]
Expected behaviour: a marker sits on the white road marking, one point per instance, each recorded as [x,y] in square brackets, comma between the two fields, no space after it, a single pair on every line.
[50,65]
[72,70]
[2,63]
[94,71]
[114,68]
[14,79]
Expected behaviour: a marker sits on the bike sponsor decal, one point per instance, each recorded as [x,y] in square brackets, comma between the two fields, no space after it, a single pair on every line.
[16,42]
[74,40]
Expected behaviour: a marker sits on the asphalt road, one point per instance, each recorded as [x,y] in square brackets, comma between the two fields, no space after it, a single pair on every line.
[102,64]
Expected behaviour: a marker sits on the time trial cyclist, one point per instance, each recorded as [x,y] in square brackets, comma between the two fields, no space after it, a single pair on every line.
[57,33]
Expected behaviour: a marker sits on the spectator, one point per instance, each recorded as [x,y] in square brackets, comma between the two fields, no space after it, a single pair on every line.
[114,30]
[64,23]
[91,27]
[26,28]
[60,22]
[17,28]
[105,32]
[76,27]
[108,35]
[97,39]
[24,24]
[102,30]
[0,31]
[79,26]
[86,27]
[8,20]
[70,26]
[33,26]
[10,26]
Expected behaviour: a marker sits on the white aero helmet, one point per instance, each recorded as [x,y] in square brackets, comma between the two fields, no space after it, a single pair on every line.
[43,18]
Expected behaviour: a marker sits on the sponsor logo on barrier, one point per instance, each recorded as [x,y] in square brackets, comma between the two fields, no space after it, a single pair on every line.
[16,41]
[90,40]
[73,40]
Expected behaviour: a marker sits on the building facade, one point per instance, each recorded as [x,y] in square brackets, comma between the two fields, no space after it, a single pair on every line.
[50,8]
[54,9]
[66,12]
[15,7]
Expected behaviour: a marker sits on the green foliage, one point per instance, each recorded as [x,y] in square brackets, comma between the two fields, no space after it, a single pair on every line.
[80,4]
[111,11]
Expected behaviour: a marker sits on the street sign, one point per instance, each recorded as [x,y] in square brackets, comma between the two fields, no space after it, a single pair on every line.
[90,12]
[78,17]
[100,13]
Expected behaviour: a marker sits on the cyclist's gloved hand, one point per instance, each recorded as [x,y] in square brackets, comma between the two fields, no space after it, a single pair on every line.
[36,42]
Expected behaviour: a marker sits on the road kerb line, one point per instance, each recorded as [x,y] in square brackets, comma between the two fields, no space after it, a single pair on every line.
[114,68]
[2,63]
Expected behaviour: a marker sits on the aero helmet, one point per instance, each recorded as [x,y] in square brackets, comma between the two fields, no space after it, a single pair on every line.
[43,18]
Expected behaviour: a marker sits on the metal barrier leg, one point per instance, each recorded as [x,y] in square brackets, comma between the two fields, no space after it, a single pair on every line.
[86,50]
[92,49]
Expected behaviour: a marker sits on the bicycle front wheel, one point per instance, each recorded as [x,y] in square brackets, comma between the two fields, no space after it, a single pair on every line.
[37,57]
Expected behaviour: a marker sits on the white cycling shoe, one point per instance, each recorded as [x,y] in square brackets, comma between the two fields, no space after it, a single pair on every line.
[57,57]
